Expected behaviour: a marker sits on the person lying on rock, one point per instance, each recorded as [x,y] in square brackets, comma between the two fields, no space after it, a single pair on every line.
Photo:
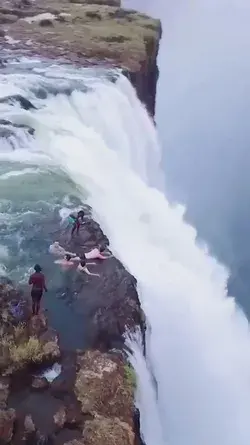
[97,254]
[37,280]
[76,221]
[82,267]
[58,250]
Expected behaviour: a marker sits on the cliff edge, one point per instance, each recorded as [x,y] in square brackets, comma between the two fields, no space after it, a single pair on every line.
[86,32]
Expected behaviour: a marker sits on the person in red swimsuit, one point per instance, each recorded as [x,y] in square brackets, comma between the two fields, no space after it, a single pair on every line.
[37,280]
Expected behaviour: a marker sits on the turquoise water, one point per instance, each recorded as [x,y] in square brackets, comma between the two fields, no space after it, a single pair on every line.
[30,201]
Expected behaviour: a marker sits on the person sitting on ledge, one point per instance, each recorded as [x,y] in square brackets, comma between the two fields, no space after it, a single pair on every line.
[37,280]
[97,253]
[82,267]
[58,250]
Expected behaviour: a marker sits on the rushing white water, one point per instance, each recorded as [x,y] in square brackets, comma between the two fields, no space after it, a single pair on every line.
[199,347]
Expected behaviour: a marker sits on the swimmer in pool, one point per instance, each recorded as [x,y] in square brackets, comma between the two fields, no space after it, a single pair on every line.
[66,262]
[82,267]
[58,250]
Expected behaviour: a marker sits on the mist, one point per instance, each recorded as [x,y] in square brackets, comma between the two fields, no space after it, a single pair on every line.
[203,109]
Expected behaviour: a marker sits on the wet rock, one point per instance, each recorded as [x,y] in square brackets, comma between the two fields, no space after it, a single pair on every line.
[63,384]
[104,431]
[102,388]
[46,23]
[7,419]
[29,425]
[5,132]
[60,418]
[30,130]
[49,340]
[75,442]
[43,439]
[5,359]
[74,416]
[39,384]
[7,18]
[98,2]
[38,325]
[8,123]
[49,335]
[4,391]
[23,102]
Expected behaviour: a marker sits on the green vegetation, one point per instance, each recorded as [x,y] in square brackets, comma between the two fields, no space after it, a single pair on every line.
[98,29]
[29,352]
[130,375]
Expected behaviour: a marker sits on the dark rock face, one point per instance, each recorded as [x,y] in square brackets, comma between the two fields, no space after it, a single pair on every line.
[111,303]
[39,384]
[7,419]
[24,103]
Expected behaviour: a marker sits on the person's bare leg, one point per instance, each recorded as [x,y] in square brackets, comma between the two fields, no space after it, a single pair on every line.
[33,307]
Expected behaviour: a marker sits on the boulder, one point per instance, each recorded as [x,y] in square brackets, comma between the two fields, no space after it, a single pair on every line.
[106,431]
[38,325]
[7,18]
[29,426]
[102,388]
[4,391]
[7,419]
[60,418]
[74,417]
[39,384]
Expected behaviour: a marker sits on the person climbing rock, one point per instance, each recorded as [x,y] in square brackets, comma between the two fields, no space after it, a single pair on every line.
[37,280]
[76,220]
[97,253]
[82,267]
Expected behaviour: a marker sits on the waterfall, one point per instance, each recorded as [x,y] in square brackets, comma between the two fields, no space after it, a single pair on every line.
[199,345]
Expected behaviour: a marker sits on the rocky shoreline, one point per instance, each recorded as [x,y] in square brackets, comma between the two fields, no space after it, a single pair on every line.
[86,33]
[92,399]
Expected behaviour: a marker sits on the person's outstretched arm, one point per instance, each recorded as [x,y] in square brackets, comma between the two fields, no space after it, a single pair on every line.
[90,273]
[86,270]
[70,253]
[76,258]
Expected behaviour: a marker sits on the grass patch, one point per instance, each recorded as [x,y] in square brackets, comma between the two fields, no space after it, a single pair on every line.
[130,375]
[28,352]
[19,330]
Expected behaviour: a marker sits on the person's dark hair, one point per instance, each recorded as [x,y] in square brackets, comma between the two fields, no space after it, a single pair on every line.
[81,214]
[82,260]
[68,257]
[37,268]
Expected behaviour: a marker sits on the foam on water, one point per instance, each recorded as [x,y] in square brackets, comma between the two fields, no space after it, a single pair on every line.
[199,347]
[13,173]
